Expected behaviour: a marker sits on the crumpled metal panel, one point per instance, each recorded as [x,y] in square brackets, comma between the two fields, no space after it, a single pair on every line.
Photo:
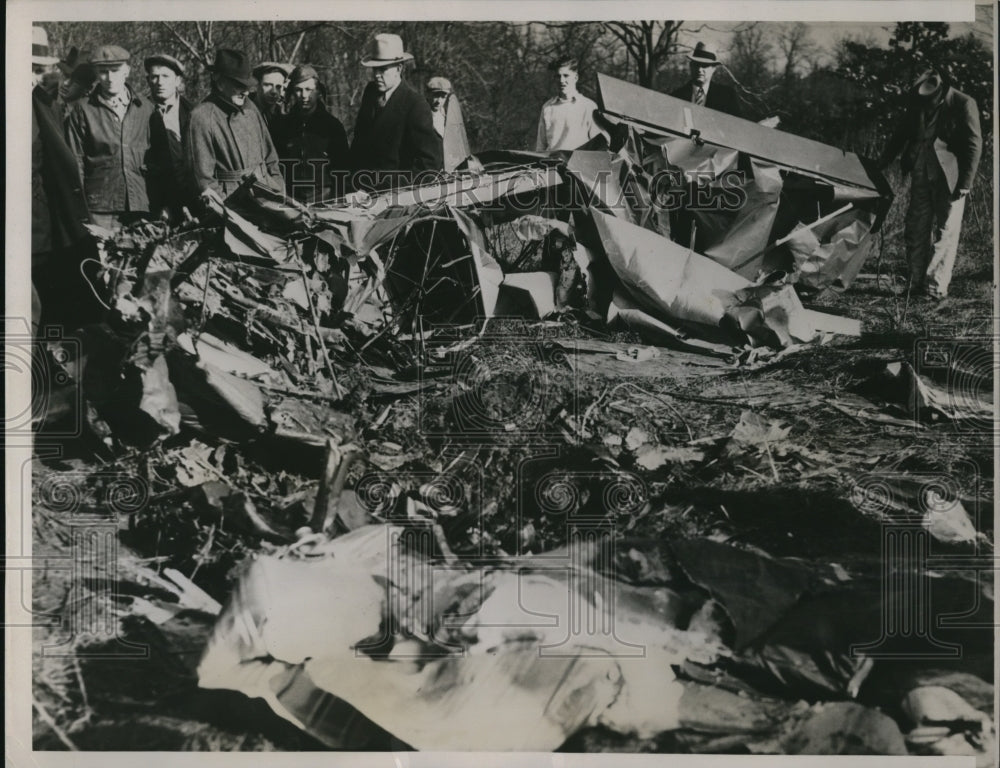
[672,115]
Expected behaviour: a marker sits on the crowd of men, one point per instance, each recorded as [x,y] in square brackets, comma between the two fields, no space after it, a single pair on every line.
[104,154]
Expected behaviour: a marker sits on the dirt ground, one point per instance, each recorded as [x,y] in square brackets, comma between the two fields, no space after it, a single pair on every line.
[499,422]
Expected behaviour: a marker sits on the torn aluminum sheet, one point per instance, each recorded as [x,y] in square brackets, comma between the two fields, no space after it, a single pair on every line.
[431,652]
[527,294]
[789,181]
[681,118]
[623,310]
[833,252]
[672,282]
[606,178]
[665,277]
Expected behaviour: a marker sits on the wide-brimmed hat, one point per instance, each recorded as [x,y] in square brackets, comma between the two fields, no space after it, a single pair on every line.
[233,64]
[439,85]
[68,64]
[166,60]
[386,50]
[302,73]
[701,55]
[929,83]
[40,53]
[267,67]
[84,74]
[110,56]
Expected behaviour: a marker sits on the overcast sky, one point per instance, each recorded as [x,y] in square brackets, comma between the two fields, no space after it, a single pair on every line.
[717,35]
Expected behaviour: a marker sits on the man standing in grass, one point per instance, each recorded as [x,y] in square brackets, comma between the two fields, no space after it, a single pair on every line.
[941,146]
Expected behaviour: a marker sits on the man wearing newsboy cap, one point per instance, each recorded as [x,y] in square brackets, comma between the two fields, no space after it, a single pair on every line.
[227,137]
[394,136]
[168,190]
[269,97]
[109,134]
[446,114]
[311,142]
[941,144]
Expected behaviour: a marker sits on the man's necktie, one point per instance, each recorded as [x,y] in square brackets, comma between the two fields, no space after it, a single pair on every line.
[699,96]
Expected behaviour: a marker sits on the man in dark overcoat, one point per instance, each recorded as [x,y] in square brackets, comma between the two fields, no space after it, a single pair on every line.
[311,143]
[701,90]
[394,136]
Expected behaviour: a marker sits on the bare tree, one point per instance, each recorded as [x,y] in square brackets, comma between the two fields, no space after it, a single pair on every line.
[797,47]
[647,43]
[750,62]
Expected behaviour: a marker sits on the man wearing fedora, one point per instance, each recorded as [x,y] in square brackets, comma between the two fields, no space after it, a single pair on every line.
[446,115]
[227,138]
[78,82]
[269,97]
[109,133]
[168,187]
[43,63]
[700,90]
[567,119]
[941,145]
[311,143]
[59,241]
[394,136]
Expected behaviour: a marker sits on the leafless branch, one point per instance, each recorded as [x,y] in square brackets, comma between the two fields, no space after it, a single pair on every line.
[194,52]
[295,50]
[302,31]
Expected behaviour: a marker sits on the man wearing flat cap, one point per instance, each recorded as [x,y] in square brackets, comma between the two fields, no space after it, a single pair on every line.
[701,91]
[394,136]
[168,187]
[269,98]
[446,114]
[941,145]
[109,133]
[227,138]
[311,143]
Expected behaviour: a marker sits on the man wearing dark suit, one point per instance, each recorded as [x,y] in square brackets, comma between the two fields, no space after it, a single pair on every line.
[394,136]
[169,188]
[700,90]
[941,145]
[59,241]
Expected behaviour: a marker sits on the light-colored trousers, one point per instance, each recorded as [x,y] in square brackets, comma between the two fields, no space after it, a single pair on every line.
[933,227]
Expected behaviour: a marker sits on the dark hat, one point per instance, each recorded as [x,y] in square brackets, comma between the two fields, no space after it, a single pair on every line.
[166,60]
[387,49]
[271,66]
[233,64]
[701,55]
[84,73]
[68,64]
[110,56]
[439,85]
[302,73]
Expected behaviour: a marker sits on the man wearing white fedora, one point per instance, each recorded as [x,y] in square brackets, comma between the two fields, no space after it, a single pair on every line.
[941,145]
[42,62]
[394,136]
